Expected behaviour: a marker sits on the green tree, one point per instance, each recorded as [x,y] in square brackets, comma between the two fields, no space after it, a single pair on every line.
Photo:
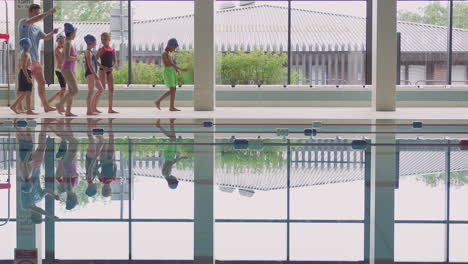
[85,10]
[437,14]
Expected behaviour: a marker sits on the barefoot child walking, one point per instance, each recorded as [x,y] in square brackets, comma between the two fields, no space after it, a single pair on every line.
[68,70]
[108,61]
[24,78]
[170,74]
[91,76]
[59,58]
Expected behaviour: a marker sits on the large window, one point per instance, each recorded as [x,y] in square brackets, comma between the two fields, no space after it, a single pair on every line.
[96,17]
[153,24]
[459,46]
[422,26]
[328,42]
[251,42]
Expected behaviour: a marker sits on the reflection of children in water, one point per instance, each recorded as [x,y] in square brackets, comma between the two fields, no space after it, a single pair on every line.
[107,164]
[29,167]
[170,154]
[66,173]
[92,153]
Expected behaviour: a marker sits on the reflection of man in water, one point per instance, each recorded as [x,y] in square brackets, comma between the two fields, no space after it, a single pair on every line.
[29,167]
[170,154]
[66,173]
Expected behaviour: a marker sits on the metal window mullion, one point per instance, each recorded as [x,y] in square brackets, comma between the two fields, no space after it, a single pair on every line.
[289,42]
[288,213]
[447,204]
[450,42]
[129,46]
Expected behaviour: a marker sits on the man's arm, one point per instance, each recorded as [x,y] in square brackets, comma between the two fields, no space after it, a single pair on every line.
[50,35]
[38,18]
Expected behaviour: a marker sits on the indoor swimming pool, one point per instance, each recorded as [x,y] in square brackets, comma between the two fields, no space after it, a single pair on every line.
[240,191]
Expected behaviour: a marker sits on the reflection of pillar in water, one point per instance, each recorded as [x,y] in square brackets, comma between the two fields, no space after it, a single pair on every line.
[204,169]
[382,217]
[28,234]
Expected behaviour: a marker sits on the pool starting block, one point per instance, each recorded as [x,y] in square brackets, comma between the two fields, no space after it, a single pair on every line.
[241,144]
[310,132]
[255,144]
[282,131]
[32,123]
[98,131]
[207,124]
[417,124]
[359,144]
[316,124]
[463,144]
[8,124]
[21,123]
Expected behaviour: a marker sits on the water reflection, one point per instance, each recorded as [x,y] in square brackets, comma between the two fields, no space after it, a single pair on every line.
[28,167]
[134,185]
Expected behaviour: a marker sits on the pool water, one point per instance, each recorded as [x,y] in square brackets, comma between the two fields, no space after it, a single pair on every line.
[235,190]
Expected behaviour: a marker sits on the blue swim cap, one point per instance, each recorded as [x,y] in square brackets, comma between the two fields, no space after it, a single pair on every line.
[72,201]
[26,187]
[91,190]
[59,36]
[172,182]
[25,43]
[69,28]
[173,42]
[89,39]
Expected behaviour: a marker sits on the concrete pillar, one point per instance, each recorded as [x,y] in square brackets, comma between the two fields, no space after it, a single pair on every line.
[49,58]
[382,215]
[204,168]
[204,56]
[384,55]
[28,234]
[21,11]
[49,164]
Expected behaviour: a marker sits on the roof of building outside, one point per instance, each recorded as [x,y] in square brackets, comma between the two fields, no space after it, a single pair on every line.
[261,26]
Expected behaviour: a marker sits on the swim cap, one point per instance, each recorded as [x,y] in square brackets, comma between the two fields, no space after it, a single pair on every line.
[91,190]
[72,201]
[89,39]
[172,182]
[59,36]
[173,42]
[69,27]
[25,43]
[26,187]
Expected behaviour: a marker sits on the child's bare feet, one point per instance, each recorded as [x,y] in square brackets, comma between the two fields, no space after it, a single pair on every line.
[97,111]
[70,114]
[59,108]
[111,111]
[48,108]
[173,109]
[30,112]
[158,104]
[14,109]
[91,113]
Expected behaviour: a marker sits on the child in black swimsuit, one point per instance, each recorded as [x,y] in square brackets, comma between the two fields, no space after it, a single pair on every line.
[91,76]
[24,79]
[108,61]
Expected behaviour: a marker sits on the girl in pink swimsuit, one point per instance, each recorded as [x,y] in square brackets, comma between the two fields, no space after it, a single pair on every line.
[68,70]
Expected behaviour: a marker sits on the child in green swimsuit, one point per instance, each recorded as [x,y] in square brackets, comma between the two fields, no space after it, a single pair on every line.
[170,74]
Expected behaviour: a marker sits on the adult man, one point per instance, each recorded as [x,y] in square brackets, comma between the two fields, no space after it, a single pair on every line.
[28,29]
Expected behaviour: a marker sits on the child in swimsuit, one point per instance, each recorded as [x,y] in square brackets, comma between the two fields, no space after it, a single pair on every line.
[107,63]
[58,53]
[68,70]
[107,164]
[24,79]
[91,76]
[170,74]
[92,154]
